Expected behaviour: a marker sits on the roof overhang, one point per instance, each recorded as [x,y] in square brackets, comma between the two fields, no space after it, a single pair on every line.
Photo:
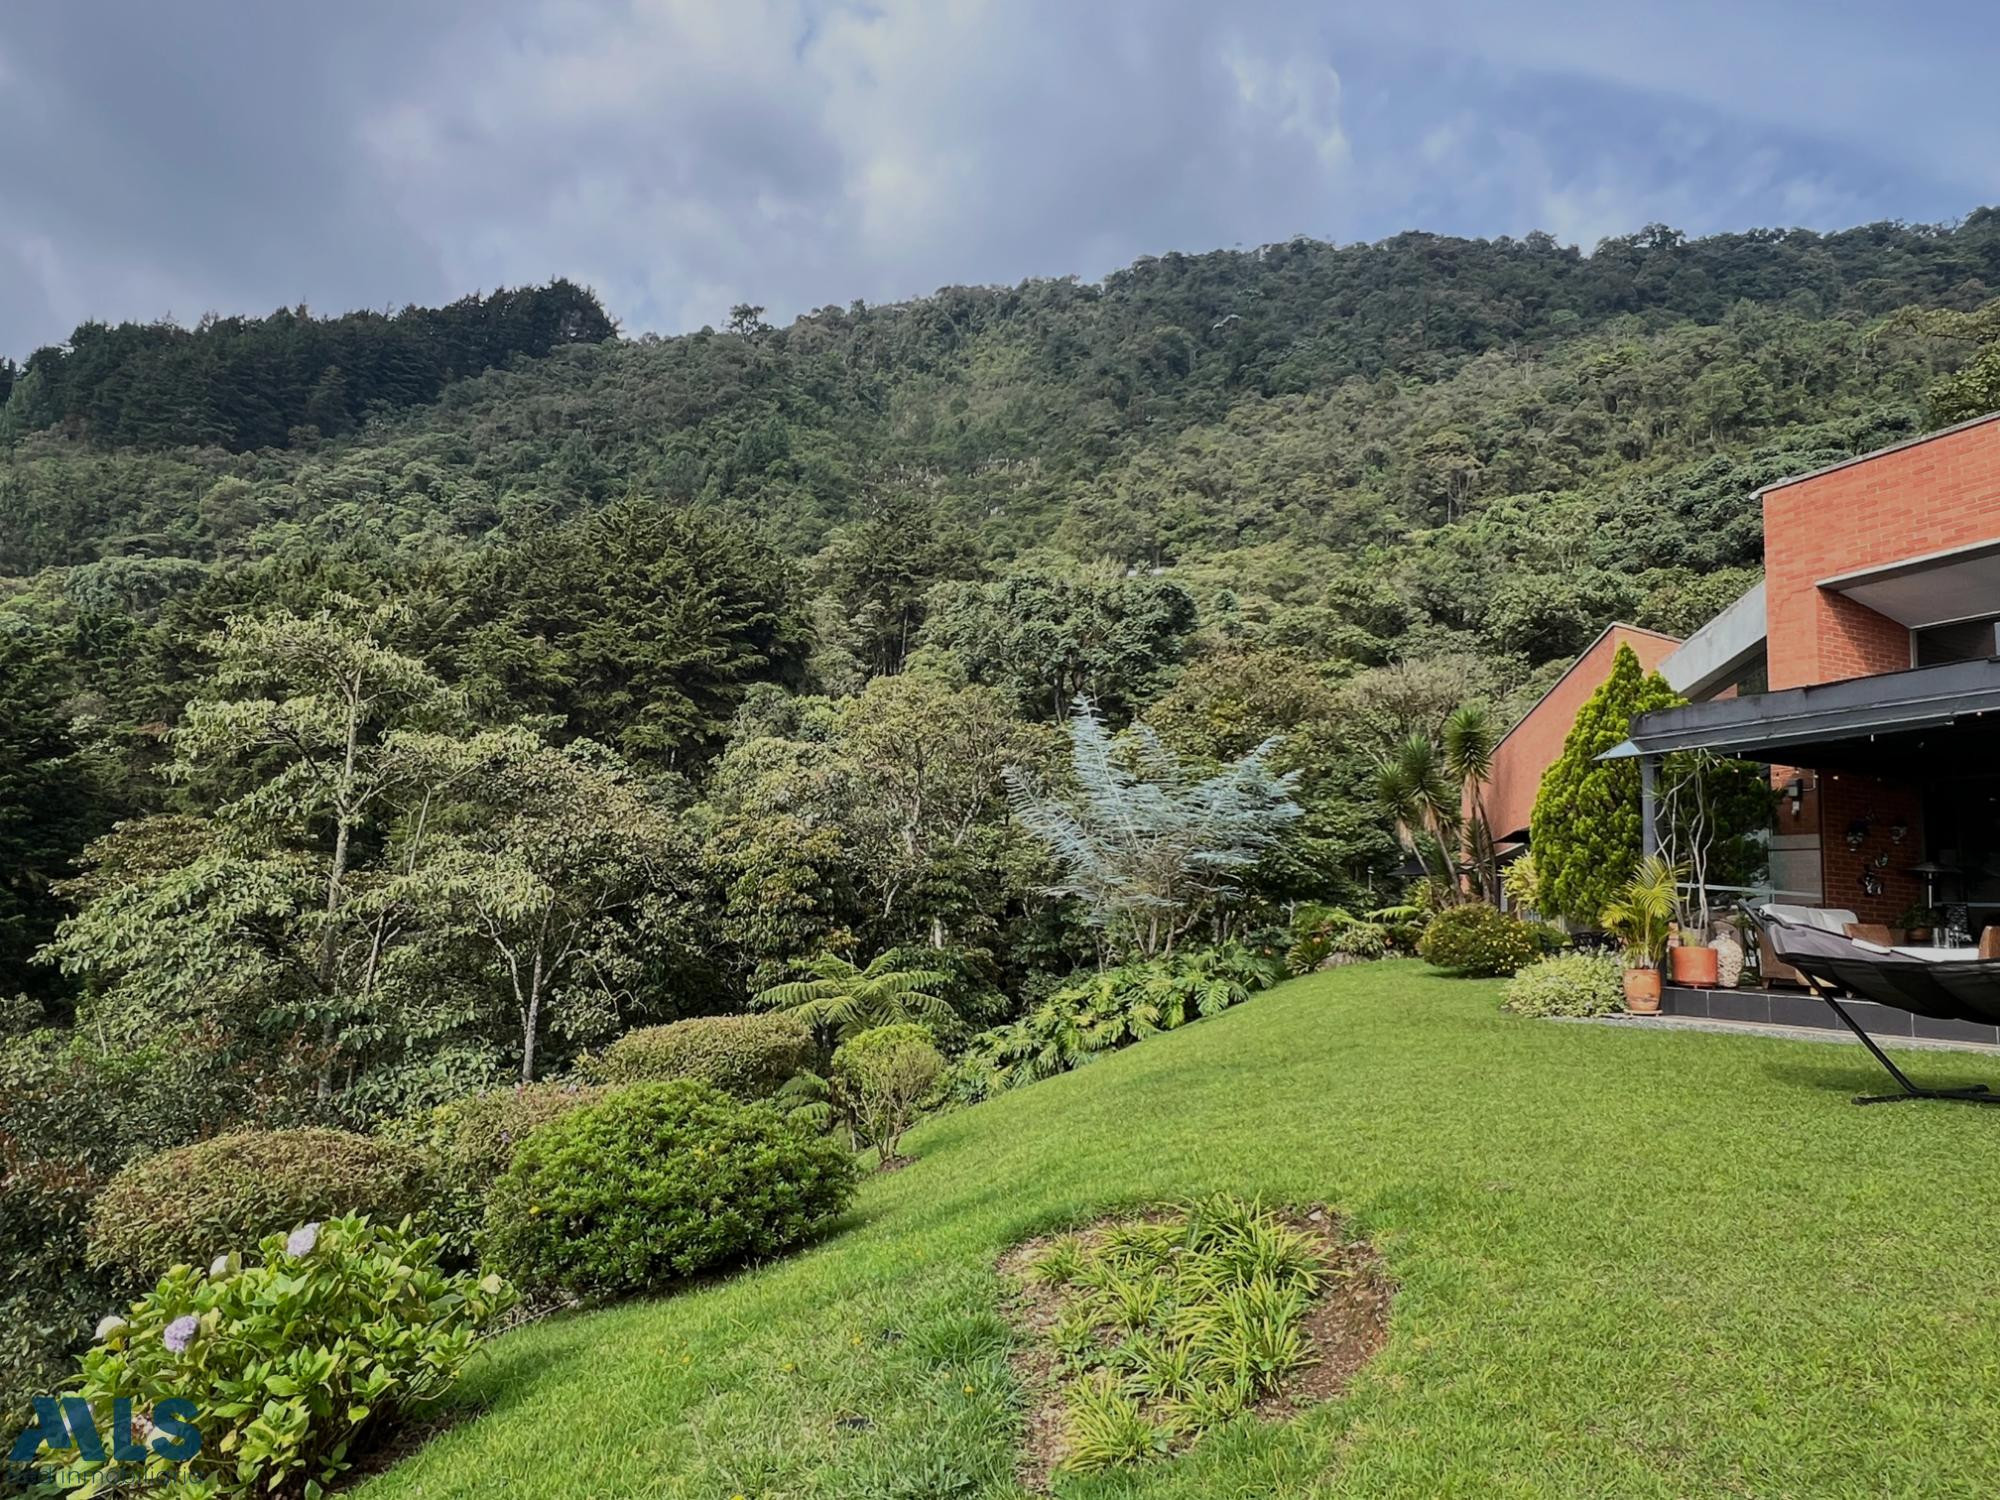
[1939,719]
[1721,651]
[1937,588]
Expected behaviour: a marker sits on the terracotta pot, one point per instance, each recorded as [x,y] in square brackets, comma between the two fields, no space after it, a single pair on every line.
[1918,937]
[1695,965]
[1642,991]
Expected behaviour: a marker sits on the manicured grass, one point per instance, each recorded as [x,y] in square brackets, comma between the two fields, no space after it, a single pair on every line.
[1631,1264]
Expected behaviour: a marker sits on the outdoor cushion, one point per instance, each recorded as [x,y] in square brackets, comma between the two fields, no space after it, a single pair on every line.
[1871,932]
[1956,986]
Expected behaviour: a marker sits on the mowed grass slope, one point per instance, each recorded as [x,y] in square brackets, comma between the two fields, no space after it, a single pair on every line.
[1631,1264]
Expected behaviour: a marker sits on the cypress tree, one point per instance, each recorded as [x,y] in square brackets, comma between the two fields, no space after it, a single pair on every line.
[1585,826]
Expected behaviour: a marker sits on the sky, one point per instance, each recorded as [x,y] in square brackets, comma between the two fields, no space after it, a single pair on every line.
[682,156]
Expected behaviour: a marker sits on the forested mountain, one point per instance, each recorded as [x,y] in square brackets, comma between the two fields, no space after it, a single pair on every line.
[393,706]
[243,383]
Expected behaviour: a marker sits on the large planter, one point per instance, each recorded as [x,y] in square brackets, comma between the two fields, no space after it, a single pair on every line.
[1694,965]
[1642,991]
[1728,958]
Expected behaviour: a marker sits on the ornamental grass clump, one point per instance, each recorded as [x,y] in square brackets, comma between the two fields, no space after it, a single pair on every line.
[287,1366]
[1163,1328]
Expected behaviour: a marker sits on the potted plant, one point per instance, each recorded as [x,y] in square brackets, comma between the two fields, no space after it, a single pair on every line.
[1639,916]
[1918,923]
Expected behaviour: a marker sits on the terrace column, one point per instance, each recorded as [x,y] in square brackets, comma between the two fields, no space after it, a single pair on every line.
[1649,804]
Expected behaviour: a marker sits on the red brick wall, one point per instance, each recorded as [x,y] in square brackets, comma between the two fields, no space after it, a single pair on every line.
[1927,497]
[1847,798]
[1533,745]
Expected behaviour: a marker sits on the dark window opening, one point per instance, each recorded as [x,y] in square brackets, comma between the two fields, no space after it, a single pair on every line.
[1968,640]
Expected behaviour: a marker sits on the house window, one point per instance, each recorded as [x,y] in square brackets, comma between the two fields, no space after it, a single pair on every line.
[1968,640]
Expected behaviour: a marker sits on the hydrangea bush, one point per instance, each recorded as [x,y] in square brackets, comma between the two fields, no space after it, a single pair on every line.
[292,1363]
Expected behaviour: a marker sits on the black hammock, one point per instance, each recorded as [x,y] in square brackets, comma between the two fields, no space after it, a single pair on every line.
[1947,989]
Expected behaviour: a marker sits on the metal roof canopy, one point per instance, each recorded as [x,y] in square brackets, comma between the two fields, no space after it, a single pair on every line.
[1940,718]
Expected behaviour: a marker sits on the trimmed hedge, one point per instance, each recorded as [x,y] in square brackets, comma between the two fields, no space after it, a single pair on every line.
[1480,941]
[657,1182]
[188,1205]
[884,1075]
[471,1142]
[1569,984]
[748,1056]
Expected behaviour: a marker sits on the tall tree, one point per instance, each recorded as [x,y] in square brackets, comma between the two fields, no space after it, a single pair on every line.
[1585,825]
[1147,847]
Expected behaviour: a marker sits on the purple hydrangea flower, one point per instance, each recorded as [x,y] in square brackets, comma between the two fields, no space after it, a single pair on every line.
[300,1241]
[180,1333]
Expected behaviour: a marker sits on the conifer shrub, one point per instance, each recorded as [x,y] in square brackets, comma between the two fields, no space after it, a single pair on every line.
[748,1056]
[657,1182]
[1480,941]
[185,1206]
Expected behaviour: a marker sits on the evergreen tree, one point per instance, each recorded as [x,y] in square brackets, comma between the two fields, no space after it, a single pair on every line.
[1585,829]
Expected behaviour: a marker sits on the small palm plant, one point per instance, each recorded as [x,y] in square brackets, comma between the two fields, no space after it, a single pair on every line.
[1642,912]
[845,999]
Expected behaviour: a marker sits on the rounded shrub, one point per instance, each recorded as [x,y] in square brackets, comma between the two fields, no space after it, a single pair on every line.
[656,1182]
[1568,984]
[884,1075]
[470,1142]
[268,1377]
[1479,940]
[749,1056]
[185,1206]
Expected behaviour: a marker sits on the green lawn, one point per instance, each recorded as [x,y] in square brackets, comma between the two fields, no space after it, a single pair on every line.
[1631,1264]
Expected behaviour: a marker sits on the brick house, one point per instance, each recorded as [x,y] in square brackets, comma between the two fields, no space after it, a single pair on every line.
[1864,669]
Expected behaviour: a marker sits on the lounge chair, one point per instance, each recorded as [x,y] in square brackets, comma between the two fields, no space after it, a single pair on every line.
[1945,984]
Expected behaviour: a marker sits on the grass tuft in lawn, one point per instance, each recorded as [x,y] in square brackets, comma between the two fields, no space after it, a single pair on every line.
[1144,1334]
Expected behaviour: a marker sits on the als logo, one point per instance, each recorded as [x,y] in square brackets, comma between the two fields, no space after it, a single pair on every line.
[65,1422]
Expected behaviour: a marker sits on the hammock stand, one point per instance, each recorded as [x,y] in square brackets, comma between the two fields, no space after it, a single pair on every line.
[1954,989]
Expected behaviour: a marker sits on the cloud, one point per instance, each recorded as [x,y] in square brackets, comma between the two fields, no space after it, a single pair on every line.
[683,155]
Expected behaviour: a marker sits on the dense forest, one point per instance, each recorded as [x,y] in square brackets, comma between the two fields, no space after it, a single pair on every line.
[395,705]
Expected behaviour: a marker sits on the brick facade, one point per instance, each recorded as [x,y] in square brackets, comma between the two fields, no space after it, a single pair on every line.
[1928,496]
[1846,802]
[1923,497]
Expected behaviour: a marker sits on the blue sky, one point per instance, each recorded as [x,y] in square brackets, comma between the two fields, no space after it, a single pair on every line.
[684,155]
